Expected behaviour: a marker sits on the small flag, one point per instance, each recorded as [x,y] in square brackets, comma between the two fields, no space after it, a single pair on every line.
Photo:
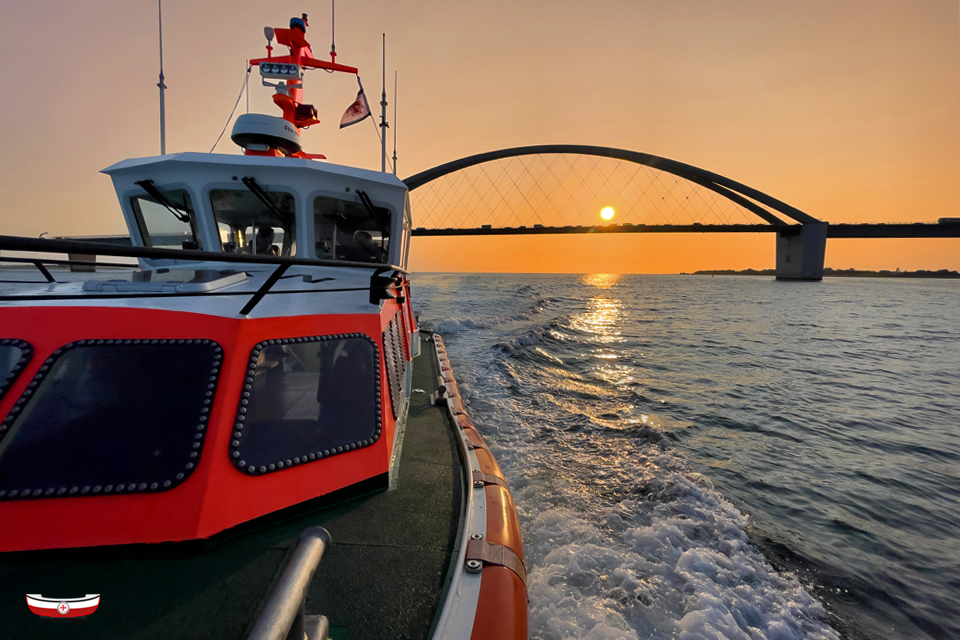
[355,112]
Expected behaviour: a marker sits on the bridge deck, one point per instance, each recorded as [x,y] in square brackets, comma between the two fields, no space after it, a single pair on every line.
[841,230]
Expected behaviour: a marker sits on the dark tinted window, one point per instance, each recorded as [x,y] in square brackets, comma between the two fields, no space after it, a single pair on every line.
[350,231]
[105,416]
[247,225]
[169,225]
[14,356]
[306,399]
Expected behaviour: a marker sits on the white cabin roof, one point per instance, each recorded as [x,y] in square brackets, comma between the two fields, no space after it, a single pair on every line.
[234,160]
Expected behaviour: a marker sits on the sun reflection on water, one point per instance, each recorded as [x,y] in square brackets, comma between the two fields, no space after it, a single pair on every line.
[601,319]
[601,280]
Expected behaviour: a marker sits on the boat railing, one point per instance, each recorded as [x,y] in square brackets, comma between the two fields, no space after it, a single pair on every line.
[285,617]
[381,286]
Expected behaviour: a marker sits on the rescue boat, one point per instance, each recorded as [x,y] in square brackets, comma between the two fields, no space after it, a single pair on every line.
[189,438]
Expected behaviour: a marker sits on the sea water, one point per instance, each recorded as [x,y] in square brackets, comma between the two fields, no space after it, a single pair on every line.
[729,457]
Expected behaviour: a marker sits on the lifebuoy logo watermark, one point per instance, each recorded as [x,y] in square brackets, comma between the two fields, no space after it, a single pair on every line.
[63,607]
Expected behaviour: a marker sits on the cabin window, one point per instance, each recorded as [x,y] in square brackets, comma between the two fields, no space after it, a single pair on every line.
[110,416]
[171,224]
[350,231]
[14,356]
[306,399]
[247,225]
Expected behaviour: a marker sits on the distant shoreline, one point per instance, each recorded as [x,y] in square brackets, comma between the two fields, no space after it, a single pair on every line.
[837,273]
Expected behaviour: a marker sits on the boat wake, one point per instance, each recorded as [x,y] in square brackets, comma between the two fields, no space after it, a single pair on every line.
[622,538]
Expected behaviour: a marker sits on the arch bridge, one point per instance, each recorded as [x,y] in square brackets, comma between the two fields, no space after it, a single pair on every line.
[552,189]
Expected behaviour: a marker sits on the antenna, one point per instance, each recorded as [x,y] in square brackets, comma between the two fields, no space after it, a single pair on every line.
[163,120]
[333,30]
[394,123]
[383,111]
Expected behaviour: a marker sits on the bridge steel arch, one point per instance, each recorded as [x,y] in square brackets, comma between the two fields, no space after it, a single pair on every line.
[800,251]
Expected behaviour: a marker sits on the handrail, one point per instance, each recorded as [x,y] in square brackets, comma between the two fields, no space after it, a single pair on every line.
[43,245]
[284,617]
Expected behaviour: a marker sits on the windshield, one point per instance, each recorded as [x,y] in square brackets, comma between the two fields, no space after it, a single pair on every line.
[247,225]
[350,231]
[170,224]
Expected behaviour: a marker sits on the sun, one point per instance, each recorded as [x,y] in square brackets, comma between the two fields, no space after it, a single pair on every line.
[607,213]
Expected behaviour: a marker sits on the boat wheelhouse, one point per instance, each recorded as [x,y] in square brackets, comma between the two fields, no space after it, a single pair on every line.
[162,368]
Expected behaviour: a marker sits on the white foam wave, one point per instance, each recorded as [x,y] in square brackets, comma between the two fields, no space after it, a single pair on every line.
[674,564]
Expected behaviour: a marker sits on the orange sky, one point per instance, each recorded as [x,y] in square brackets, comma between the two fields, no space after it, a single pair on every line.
[845,109]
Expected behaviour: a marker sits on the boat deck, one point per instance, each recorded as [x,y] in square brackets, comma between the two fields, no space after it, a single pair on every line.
[381,578]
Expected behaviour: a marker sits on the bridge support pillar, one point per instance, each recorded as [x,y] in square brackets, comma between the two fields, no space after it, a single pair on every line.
[800,253]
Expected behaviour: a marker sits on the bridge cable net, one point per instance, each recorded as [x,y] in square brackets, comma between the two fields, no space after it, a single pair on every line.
[559,190]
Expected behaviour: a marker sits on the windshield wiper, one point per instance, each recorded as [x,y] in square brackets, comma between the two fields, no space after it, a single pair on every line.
[377,215]
[150,188]
[263,197]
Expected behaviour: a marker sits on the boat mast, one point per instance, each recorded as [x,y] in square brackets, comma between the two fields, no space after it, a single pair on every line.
[394,123]
[383,111]
[163,121]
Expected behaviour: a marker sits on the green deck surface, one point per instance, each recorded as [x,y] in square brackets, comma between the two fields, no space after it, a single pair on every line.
[381,578]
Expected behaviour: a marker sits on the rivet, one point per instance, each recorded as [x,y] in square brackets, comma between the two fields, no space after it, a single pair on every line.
[289,463]
[61,491]
[474,566]
[143,485]
[154,486]
[73,490]
[478,483]
[326,452]
[296,460]
[263,469]
[242,463]
[166,484]
[201,427]
[313,456]
[251,469]
[271,466]
[203,418]
[189,465]
[120,488]
[194,454]
[179,476]
[339,449]
[280,465]
[236,435]
[477,536]
[196,445]
[13,494]
[235,443]
[108,488]
[2,493]
[236,454]
[198,436]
